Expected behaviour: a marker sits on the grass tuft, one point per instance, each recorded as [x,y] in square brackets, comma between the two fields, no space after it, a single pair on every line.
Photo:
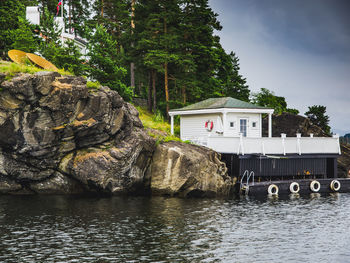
[162,128]
[11,69]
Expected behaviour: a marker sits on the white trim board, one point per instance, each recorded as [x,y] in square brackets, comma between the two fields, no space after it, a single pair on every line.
[220,110]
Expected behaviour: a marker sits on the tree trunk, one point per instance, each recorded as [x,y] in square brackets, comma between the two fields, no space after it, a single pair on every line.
[102,8]
[149,97]
[154,75]
[70,19]
[166,87]
[132,65]
[166,75]
[184,96]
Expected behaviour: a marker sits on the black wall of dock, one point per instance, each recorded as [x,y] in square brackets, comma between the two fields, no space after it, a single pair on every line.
[282,167]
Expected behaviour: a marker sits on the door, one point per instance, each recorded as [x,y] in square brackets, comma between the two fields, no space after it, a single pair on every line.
[243,127]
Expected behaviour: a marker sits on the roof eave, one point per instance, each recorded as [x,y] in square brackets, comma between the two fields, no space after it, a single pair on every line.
[221,110]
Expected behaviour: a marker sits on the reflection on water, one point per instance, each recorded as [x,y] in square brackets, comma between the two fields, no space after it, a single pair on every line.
[91,229]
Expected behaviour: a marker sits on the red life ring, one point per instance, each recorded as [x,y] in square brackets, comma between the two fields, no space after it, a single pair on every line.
[209,125]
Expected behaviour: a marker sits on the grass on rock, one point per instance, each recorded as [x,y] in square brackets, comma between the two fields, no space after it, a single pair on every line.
[158,127]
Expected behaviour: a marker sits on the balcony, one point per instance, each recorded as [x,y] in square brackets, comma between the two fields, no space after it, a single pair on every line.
[275,146]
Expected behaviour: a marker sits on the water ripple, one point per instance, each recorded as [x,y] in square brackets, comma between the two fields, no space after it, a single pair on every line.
[87,229]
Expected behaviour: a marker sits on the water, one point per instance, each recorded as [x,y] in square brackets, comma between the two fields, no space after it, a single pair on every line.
[91,229]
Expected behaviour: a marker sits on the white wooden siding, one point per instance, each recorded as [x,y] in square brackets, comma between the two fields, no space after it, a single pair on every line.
[250,117]
[193,126]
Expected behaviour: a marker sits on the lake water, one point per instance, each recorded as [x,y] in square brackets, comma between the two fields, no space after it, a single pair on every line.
[141,229]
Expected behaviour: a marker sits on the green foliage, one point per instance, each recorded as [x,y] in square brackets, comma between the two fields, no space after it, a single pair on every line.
[268,98]
[158,117]
[93,85]
[317,115]
[105,61]
[11,69]
[23,37]
[292,111]
[12,14]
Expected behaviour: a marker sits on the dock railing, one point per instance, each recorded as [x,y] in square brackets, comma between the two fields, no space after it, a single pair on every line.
[276,145]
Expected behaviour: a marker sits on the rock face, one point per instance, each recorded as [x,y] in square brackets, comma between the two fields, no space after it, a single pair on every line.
[59,137]
[291,124]
[179,169]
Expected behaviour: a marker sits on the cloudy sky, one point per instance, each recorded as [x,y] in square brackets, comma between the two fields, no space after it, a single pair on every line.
[300,49]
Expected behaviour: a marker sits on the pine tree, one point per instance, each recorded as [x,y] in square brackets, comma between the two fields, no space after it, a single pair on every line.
[104,63]
[23,37]
[317,115]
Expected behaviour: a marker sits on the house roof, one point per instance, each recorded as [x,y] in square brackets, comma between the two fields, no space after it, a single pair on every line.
[217,103]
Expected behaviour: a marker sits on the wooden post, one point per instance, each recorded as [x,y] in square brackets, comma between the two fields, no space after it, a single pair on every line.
[270,125]
[172,124]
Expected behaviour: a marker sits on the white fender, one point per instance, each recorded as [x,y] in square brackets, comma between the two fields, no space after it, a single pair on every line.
[335,185]
[272,190]
[294,188]
[315,186]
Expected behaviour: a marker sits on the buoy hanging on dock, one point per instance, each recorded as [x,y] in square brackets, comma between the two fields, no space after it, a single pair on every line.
[294,188]
[335,185]
[273,189]
[315,186]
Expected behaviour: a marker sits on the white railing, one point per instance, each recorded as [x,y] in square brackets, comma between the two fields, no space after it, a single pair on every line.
[276,145]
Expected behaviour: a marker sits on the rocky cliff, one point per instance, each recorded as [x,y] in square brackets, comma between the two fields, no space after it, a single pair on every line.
[59,137]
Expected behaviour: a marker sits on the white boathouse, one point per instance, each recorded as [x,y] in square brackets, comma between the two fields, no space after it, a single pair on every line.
[229,125]
[234,129]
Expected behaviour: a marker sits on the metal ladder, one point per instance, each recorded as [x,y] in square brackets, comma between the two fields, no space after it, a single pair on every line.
[244,186]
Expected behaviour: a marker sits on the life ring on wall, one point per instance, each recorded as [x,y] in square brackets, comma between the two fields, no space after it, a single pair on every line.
[272,190]
[209,125]
[294,188]
[315,186]
[335,185]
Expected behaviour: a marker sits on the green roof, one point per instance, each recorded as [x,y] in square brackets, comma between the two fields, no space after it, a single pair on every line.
[216,103]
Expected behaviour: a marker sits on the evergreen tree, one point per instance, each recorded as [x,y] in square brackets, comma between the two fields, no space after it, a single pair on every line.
[23,37]
[317,115]
[104,63]
[9,13]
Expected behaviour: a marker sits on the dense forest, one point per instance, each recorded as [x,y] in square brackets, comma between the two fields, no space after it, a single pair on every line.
[163,51]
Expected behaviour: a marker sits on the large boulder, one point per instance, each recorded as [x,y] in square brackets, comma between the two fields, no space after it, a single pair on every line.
[180,169]
[58,136]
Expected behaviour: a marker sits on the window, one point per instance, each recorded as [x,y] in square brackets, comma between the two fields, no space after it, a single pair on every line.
[254,124]
[232,124]
[243,127]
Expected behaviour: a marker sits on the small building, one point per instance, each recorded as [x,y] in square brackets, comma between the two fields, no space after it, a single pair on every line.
[33,16]
[226,117]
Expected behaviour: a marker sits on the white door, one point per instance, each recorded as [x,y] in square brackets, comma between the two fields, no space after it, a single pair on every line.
[243,127]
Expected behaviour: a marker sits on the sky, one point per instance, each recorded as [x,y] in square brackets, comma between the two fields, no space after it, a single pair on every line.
[299,49]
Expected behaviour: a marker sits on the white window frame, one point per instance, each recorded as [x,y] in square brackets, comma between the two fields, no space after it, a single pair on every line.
[246,126]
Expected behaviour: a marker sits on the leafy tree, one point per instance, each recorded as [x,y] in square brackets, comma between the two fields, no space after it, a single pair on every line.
[267,98]
[317,115]
[104,63]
